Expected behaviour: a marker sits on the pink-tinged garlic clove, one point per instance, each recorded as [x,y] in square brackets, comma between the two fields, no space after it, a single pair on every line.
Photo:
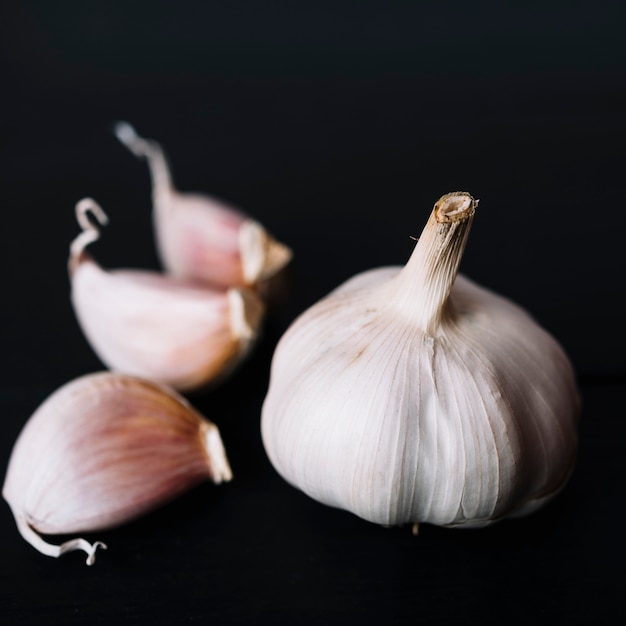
[199,237]
[155,326]
[102,450]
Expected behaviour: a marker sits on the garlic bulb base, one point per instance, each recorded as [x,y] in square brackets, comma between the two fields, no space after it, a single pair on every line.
[216,455]
[261,255]
[246,313]
[55,551]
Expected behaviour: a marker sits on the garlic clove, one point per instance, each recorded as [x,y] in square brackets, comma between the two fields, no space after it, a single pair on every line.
[201,238]
[155,326]
[412,395]
[102,450]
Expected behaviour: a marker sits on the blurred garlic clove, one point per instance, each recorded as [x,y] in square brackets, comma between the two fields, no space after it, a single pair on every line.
[102,450]
[155,326]
[201,238]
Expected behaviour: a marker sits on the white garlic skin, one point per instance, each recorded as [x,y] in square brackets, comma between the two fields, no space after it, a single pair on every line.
[202,238]
[367,412]
[103,450]
[157,327]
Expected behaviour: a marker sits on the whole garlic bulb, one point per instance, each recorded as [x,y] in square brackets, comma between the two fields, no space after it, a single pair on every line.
[156,326]
[406,396]
[201,238]
[103,450]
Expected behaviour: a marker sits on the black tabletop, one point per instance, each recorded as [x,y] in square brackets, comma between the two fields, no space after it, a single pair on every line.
[337,125]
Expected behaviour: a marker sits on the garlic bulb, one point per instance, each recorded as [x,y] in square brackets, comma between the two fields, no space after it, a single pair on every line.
[155,326]
[199,237]
[406,396]
[103,450]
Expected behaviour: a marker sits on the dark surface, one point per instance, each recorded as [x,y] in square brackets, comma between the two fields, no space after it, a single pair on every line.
[337,125]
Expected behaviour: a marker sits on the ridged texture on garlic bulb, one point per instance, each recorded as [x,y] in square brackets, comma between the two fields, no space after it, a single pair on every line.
[202,238]
[103,450]
[155,326]
[406,396]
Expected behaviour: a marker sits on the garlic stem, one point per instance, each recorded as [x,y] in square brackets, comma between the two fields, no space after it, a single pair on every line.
[152,152]
[90,232]
[424,284]
[49,549]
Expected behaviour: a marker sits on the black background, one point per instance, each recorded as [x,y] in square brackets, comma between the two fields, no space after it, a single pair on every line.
[338,125]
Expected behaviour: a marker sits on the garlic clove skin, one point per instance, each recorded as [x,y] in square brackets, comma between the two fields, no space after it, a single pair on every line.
[102,450]
[154,326]
[408,397]
[199,237]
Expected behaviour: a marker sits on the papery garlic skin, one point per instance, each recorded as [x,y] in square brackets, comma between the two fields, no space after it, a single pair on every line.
[199,237]
[103,450]
[157,327]
[406,396]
